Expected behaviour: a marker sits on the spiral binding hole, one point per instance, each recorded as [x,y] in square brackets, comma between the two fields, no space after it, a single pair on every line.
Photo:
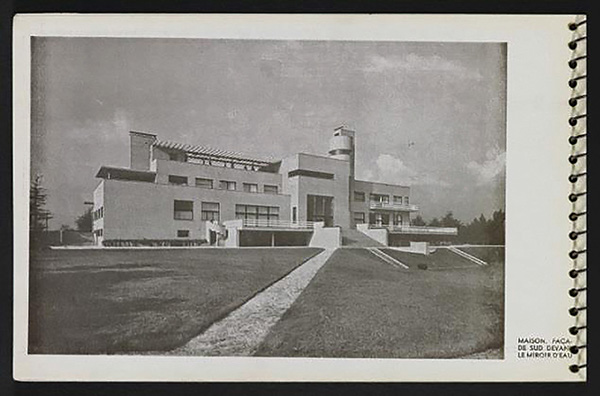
[575,234]
[576,253]
[573,62]
[575,329]
[574,216]
[574,196]
[574,273]
[573,101]
[574,292]
[574,311]
[573,81]
[573,120]
[573,43]
[576,348]
[573,139]
[575,177]
[575,25]
[576,367]
[574,158]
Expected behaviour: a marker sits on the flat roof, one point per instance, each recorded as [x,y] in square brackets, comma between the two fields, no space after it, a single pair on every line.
[110,172]
[382,184]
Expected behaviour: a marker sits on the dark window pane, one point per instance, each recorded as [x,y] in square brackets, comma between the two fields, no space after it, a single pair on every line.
[179,180]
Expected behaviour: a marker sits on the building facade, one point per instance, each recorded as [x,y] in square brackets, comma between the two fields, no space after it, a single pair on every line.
[174,191]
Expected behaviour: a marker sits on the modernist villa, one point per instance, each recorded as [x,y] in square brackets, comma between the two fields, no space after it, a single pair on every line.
[174,191]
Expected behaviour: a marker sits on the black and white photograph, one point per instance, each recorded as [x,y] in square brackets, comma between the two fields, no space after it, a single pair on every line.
[267,198]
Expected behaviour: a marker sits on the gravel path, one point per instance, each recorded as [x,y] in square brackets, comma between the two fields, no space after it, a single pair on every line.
[242,331]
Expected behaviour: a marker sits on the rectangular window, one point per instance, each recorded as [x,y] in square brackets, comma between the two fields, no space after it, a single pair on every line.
[294,214]
[406,200]
[398,219]
[319,208]
[183,210]
[250,187]
[178,180]
[227,185]
[183,233]
[359,196]
[359,217]
[257,212]
[381,198]
[270,189]
[397,199]
[209,211]
[204,183]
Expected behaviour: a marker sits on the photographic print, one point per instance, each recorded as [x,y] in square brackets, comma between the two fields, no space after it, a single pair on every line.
[267,198]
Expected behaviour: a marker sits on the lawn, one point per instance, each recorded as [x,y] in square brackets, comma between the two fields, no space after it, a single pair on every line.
[124,301]
[488,254]
[441,259]
[358,306]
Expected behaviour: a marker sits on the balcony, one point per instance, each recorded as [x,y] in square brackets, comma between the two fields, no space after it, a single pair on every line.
[380,205]
[417,230]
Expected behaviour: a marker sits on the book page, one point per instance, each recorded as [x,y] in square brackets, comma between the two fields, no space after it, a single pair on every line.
[292,198]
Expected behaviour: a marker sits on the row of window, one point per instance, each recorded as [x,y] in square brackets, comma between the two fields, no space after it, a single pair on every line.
[378,218]
[223,184]
[383,198]
[99,232]
[98,213]
[184,210]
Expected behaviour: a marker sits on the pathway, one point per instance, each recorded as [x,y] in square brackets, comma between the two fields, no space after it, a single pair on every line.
[243,330]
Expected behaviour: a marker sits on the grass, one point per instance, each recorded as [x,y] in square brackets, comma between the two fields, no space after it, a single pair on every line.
[441,259]
[358,306]
[487,254]
[127,301]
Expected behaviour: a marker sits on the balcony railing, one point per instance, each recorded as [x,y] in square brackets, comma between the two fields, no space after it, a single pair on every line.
[422,230]
[392,206]
[264,223]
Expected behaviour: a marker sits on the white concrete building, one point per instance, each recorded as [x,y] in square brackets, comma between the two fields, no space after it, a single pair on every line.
[175,193]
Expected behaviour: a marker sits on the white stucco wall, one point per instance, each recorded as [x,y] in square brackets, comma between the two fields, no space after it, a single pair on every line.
[137,210]
[300,186]
[164,168]
[378,188]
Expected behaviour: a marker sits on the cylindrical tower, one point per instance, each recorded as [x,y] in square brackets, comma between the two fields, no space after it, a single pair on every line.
[341,146]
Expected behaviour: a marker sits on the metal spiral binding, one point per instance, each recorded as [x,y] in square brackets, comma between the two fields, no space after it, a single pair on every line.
[578,194]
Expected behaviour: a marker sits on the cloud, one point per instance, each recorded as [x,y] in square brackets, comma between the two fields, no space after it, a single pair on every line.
[492,167]
[391,169]
[413,62]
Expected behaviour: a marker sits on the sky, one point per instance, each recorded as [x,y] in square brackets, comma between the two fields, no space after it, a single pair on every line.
[429,115]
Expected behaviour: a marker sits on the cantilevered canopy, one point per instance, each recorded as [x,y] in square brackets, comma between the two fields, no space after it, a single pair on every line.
[108,172]
[211,154]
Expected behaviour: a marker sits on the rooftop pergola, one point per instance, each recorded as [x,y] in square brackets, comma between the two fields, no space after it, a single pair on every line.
[212,156]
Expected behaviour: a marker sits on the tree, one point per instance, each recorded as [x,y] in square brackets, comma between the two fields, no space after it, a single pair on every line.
[418,221]
[495,228]
[484,231]
[38,215]
[435,222]
[84,222]
[449,221]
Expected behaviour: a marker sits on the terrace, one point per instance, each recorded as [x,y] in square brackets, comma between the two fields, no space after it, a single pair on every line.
[271,225]
[416,230]
[392,206]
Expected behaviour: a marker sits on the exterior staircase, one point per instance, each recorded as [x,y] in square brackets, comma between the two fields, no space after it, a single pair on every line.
[355,238]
